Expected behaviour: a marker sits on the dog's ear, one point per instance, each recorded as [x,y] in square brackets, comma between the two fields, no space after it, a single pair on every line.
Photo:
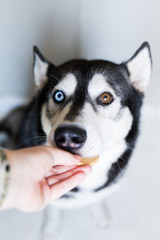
[140,67]
[40,68]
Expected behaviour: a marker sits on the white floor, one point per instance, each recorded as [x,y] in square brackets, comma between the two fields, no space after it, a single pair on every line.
[134,208]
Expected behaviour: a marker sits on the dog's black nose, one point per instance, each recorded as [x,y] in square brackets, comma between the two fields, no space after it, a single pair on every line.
[70,138]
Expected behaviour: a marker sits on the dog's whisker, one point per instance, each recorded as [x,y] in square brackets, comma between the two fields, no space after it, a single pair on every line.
[118,165]
[37,138]
[64,73]
[130,147]
[51,75]
[122,159]
[106,70]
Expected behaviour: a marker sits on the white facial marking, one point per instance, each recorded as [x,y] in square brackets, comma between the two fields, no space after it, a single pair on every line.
[98,85]
[67,84]
[104,128]
[46,123]
[121,127]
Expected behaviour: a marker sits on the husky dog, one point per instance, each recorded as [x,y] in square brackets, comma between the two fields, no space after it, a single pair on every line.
[88,108]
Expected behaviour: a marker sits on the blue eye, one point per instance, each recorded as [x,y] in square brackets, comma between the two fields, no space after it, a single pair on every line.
[59,96]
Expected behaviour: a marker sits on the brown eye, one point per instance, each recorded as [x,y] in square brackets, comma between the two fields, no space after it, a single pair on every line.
[105,98]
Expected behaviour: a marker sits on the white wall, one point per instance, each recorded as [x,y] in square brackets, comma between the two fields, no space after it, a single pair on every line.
[65,29]
[50,24]
[109,29]
[115,29]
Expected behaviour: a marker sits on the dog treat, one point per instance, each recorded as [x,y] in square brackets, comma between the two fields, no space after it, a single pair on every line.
[90,161]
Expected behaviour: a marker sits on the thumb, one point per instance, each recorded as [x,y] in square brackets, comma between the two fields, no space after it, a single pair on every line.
[50,156]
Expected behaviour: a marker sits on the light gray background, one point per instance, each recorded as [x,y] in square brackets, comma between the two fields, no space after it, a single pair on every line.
[66,29]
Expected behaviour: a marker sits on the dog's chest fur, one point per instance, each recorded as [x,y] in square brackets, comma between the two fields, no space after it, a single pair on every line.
[101,168]
[88,191]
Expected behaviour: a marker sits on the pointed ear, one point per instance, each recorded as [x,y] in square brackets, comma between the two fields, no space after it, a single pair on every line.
[140,67]
[40,68]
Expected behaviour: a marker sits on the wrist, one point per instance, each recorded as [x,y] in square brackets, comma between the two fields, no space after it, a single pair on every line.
[4,177]
[12,196]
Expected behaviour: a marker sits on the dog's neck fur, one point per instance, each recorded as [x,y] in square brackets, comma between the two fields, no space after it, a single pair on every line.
[99,172]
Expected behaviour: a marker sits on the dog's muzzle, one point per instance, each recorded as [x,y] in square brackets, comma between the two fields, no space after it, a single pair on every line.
[70,138]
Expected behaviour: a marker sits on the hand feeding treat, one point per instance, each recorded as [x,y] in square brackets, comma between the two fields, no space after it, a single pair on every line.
[90,161]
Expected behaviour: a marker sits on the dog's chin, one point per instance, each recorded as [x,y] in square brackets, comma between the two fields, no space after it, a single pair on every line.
[84,154]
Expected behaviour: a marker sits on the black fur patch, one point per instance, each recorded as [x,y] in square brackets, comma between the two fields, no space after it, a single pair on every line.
[30,132]
[116,169]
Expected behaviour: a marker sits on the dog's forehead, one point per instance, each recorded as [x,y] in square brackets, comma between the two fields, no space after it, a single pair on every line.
[68,83]
[94,76]
[96,84]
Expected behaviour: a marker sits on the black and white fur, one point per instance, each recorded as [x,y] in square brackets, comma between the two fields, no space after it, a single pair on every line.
[111,129]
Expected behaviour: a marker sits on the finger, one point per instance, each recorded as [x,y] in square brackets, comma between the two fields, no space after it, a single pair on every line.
[59,177]
[59,169]
[46,193]
[62,157]
[48,157]
[66,185]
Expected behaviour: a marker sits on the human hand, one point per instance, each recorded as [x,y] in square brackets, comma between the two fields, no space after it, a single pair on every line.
[40,175]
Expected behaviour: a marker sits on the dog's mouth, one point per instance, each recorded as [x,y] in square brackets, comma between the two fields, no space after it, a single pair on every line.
[74,139]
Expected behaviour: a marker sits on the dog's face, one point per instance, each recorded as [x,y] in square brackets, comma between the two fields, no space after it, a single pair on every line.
[89,106]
